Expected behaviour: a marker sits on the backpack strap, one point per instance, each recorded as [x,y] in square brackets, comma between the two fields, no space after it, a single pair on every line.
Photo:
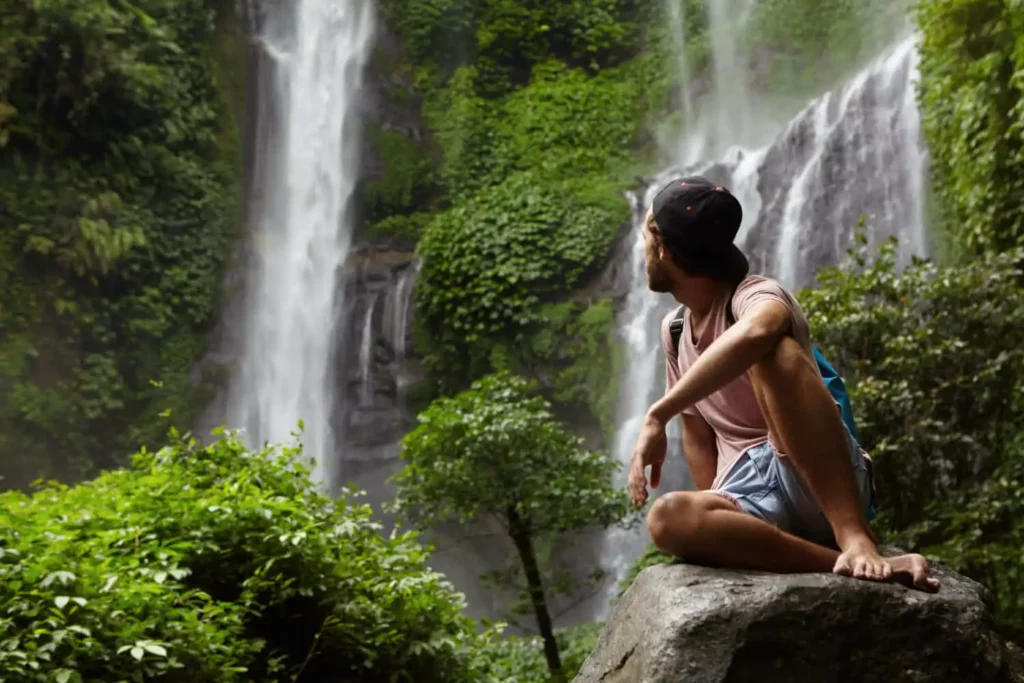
[675,328]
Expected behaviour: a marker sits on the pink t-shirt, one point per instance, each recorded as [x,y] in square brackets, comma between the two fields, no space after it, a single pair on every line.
[732,412]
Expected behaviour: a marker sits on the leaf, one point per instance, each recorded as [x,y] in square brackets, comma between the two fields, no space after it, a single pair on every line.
[157,650]
[62,601]
[138,653]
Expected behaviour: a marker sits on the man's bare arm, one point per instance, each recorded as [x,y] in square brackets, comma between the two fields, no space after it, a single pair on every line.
[729,356]
[700,450]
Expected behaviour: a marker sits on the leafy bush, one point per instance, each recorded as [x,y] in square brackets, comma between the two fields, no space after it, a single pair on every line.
[971,94]
[408,180]
[935,361]
[534,127]
[217,564]
[489,263]
[979,530]
[505,37]
[119,189]
[520,659]
[651,557]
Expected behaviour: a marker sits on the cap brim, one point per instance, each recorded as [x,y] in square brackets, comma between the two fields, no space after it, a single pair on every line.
[732,266]
[737,264]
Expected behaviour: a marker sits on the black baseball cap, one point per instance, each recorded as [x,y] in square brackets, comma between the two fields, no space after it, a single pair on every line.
[698,221]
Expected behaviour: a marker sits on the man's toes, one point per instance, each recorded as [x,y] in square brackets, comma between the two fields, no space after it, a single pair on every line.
[923,581]
[843,567]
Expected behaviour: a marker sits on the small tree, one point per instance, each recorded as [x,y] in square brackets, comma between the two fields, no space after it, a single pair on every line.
[497,449]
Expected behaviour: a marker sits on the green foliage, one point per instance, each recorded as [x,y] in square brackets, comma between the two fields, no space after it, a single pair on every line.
[488,265]
[651,557]
[802,46]
[218,564]
[574,351]
[536,109]
[563,124]
[536,207]
[505,37]
[408,179]
[971,95]
[979,530]
[520,659]
[936,362]
[118,195]
[496,449]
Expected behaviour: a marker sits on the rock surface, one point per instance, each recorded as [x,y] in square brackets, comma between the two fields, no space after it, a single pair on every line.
[689,624]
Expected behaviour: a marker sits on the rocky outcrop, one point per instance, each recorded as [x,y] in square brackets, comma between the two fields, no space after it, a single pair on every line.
[690,624]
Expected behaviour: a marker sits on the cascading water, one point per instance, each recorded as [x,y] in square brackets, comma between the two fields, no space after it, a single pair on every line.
[854,151]
[366,356]
[307,155]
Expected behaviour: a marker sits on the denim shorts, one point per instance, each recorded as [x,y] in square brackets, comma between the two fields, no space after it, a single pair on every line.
[769,487]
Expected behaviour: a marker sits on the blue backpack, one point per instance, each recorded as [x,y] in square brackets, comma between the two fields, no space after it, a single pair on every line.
[833,382]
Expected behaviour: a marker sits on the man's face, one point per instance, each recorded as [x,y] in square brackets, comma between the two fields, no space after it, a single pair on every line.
[658,276]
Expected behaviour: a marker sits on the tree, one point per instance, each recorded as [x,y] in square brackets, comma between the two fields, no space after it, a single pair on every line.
[496,449]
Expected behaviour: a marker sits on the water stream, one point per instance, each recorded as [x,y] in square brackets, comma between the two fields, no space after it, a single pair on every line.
[307,156]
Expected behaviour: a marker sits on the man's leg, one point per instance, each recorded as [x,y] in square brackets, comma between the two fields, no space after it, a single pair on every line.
[802,415]
[704,527]
[707,528]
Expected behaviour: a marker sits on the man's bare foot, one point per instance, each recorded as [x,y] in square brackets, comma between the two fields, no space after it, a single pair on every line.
[861,561]
[913,572]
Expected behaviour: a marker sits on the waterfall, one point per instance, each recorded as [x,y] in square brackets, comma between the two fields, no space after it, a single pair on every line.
[399,305]
[855,150]
[366,356]
[307,155]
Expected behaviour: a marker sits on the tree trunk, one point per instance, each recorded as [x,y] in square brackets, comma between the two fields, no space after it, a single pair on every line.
[520,534]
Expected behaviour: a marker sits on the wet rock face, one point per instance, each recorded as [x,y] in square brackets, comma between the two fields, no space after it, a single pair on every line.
[377,362]
[688,624]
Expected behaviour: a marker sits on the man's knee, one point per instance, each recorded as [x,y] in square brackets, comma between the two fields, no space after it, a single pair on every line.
[674,523]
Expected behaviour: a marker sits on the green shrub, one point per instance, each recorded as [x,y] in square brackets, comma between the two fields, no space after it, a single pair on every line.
[489,263]
[408,180]
[536,129]
[979,530]
[934,358]
[520,659]
[218,564]
[651,557]
[505,37]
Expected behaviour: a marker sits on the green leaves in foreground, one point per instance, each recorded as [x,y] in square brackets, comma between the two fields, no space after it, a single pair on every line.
[214,564]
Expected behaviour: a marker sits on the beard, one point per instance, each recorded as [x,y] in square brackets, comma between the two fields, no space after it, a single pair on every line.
[658,280]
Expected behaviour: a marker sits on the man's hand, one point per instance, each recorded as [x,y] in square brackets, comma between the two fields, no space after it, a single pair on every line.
[651,447]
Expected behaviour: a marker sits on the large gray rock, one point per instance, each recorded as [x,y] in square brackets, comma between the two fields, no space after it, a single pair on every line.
[686,624]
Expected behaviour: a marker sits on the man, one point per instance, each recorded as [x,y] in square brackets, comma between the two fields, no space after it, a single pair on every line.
[781,482]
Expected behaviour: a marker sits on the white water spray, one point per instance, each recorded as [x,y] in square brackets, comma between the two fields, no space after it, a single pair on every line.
[307,162]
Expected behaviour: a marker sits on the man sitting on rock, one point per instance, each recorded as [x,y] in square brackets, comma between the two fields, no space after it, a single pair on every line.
[781,481]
